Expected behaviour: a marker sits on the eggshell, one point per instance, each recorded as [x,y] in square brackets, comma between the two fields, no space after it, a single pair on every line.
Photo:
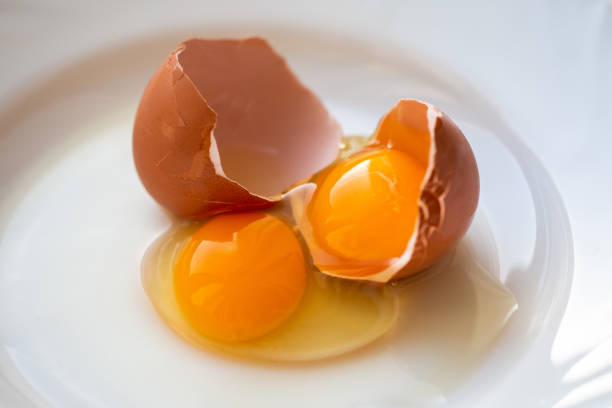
[450,189]
[448,193]
[224,125]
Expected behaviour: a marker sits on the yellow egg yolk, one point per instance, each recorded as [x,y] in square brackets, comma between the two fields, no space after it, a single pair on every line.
[240,276]
[365,208]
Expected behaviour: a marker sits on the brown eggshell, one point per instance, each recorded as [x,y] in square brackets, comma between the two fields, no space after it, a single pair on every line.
[447,202]
[450,190]
[224,125]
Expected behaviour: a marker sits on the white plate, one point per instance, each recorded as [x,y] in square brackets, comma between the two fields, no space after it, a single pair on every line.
[76,327]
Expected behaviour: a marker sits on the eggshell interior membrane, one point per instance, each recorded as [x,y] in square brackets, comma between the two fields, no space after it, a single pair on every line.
[224,125]
[444,205]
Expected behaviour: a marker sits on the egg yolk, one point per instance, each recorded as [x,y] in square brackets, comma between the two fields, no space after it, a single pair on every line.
[240,276]
[365,208]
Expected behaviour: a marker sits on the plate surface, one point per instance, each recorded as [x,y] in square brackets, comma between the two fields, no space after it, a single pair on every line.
[77,328]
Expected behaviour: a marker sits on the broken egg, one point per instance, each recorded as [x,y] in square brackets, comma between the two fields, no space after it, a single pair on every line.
[281,268]
[239,284]
[395,207]
[224,125]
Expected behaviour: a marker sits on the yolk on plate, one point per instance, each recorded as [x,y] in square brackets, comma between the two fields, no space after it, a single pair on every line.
[365,208]
[240,276]
[334,316]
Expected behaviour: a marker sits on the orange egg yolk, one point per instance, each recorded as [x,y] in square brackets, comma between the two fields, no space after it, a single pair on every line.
[365,208]
[240,276]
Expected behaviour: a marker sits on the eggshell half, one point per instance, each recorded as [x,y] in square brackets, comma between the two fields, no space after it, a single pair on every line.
[224,125]
[447,201]
[450,189]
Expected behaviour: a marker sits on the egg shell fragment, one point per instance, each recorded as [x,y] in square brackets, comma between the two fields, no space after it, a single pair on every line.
[224,125]
[449,191]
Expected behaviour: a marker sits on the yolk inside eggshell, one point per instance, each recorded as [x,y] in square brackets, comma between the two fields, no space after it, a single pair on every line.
[398,205]
[364,211]
[365,208]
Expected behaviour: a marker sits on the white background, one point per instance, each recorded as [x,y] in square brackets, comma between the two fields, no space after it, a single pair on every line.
[547,64]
